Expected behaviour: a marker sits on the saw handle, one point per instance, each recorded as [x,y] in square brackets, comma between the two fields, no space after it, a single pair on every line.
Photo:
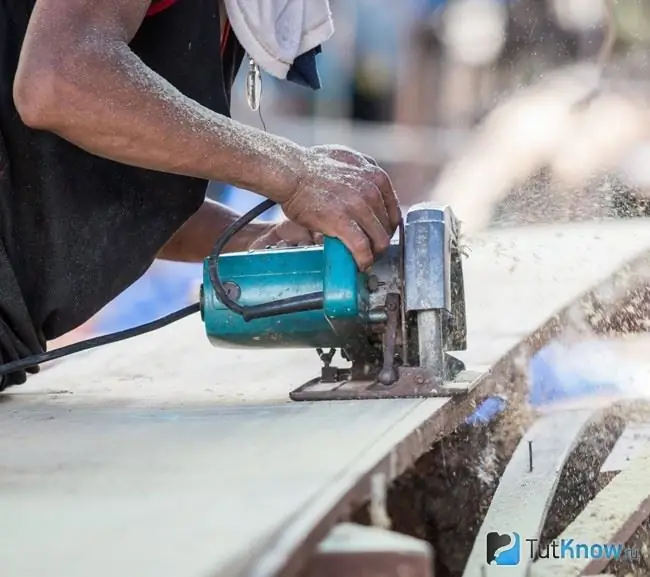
[307,302]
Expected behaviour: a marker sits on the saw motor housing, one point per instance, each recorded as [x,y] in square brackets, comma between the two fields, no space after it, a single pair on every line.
[395,323]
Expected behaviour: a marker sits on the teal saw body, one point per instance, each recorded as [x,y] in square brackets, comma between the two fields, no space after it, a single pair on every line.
[394,324]
[262,276]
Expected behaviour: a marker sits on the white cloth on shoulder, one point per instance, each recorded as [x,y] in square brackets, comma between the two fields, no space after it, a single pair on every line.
[276,32]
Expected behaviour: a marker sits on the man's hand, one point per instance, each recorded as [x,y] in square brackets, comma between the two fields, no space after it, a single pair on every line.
[195,239]
[286,233]
[344,194]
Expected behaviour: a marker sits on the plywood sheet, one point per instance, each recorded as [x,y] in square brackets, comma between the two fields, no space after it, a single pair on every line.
[162,493]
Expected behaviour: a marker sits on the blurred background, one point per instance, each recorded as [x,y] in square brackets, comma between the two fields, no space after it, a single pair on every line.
[436,89]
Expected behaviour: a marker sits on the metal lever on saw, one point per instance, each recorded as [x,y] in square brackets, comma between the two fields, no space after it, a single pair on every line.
[307,302]
[388,374]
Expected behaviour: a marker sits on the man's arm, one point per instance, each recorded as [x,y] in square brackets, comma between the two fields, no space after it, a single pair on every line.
[77,77]
[195,239]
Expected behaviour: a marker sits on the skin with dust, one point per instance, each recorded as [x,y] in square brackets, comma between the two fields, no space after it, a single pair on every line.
[78,77]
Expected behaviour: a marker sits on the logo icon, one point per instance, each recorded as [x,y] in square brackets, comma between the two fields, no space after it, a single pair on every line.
[503,549]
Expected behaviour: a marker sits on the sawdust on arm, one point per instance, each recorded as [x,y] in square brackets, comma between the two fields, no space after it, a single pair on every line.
[78,78]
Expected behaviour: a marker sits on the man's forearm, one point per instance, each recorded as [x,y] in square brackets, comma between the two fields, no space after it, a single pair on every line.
[195,239]
[96,93]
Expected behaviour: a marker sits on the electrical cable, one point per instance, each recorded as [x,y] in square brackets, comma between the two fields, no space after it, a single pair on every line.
[34,360]
[307,302]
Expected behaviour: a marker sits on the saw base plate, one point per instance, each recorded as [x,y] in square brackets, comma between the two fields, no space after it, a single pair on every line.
[413,383]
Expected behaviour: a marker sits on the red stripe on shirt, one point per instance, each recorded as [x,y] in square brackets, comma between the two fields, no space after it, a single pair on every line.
[224,36]
[159,6]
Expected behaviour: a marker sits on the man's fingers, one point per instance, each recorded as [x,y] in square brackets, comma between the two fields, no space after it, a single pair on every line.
[366,217]
[295,234]
[383,183]
[375,200]
[261,242]
[378,176]
[284,234]
[352,236]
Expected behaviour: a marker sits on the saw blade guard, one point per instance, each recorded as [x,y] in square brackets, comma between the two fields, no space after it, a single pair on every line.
[433,284]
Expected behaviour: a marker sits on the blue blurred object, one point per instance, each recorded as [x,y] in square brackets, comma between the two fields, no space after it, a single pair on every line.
[559,373]
[487,410]
[215,190]
[243,200]
[164,288]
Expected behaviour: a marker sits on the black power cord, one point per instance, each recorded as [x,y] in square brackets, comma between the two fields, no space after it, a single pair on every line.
[307,302]
[28,362]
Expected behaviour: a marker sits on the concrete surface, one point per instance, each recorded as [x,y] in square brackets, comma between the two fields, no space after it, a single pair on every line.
[164,456]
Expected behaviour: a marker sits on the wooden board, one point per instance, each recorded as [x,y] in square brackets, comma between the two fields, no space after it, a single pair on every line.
[135,491]
[609,519]
[164,456]
[527,487]
[629,446]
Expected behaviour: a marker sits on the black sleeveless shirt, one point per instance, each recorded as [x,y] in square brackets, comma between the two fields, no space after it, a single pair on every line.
[75,229]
